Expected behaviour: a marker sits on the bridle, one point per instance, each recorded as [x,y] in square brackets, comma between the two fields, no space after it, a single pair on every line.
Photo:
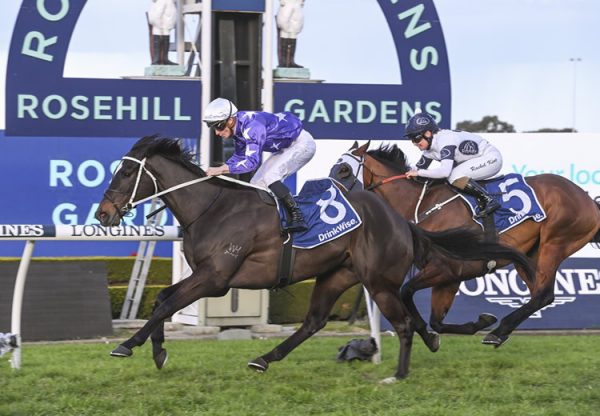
[356,161]
[361,165]
[132,203]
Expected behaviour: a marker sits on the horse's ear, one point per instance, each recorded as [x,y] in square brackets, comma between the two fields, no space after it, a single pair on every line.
[362,149]
[354,145]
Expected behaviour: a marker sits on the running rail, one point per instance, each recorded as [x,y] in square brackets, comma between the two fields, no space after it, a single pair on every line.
[36,232]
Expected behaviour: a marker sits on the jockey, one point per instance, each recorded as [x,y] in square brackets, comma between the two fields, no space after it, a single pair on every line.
[254,132]
[464,157]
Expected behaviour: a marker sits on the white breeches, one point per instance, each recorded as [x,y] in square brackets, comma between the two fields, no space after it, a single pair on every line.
[290,18]
[286,162]
[482,167]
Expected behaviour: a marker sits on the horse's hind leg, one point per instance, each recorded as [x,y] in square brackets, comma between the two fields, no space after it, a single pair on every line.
[442,298]
[327,290]
[391,306]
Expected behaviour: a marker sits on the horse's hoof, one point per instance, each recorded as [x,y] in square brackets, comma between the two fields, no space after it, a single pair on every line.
[486,320]
[495,340]
[389,380]
[121,351]
[433,342]
[161,358]
[259,364]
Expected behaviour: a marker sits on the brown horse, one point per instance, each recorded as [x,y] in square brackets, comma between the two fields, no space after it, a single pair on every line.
[573,220]
[216,214]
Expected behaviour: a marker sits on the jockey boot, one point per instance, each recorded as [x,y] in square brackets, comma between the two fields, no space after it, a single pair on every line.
[291,51]
[485,201]
[295,219]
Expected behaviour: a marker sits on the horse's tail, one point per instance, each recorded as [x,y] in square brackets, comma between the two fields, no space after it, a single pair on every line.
[465,245]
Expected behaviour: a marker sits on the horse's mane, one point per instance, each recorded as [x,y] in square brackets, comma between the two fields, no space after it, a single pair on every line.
[391,156]
[167,147]
[171,149]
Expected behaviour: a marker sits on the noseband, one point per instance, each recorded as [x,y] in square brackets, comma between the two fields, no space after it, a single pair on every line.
[359,161]
[131,204]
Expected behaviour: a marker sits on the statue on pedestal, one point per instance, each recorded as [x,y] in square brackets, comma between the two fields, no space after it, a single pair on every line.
[162,16]
[290,20]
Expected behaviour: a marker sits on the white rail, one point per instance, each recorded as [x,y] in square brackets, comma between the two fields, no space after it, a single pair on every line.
[34,232]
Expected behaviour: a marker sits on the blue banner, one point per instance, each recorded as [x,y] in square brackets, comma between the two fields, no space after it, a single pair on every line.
[41,102]
[575,306]
[60,181]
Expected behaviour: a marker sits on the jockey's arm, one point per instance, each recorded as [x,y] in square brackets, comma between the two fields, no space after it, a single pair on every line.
[442,171]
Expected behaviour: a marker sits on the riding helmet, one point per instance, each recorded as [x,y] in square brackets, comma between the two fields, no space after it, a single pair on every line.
[219,109]
[420,123]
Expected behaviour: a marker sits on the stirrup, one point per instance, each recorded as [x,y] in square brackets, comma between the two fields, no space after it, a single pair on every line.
[295,226]
[489,208]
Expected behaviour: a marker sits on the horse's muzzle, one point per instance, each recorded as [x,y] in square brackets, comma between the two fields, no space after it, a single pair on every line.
[107,214]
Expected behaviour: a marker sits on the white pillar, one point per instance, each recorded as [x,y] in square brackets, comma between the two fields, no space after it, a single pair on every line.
[268,23]
[206,76]
[17,304]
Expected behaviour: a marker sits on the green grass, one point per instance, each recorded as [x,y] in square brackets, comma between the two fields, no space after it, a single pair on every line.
[530,375]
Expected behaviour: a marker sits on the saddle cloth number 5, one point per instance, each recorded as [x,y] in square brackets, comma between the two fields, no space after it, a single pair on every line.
[517,193]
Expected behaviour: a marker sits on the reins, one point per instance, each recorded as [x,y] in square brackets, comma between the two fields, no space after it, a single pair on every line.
[142,169]
[384,181]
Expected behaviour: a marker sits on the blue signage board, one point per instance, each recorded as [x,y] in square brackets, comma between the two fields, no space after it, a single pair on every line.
[354,111]
[576,302]
[40,102]
[60,181]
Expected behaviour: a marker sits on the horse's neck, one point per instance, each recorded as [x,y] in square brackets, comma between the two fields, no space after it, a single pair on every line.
[189,202]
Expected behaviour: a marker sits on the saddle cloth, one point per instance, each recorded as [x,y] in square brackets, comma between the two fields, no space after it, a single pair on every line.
[326,211]
[517,199]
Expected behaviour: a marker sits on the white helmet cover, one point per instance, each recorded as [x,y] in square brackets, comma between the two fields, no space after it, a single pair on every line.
[219,109]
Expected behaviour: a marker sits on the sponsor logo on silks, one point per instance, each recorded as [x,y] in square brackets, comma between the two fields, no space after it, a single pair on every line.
[468,147]
[504,287]
[327,212]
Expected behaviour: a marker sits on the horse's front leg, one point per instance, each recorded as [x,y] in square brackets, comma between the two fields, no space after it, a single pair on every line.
[541,295]
[159,354]
[327,290]
[183,294]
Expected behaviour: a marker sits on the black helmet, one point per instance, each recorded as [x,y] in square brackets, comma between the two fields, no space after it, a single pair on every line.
[420,123]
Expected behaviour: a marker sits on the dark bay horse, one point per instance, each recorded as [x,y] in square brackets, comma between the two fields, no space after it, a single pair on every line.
[215,213]
[573,220]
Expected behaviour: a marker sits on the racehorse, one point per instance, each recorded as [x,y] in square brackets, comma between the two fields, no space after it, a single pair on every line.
[216,213]
[573,220]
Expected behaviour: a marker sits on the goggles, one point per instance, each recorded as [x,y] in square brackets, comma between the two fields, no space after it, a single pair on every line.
[217,125]
[416,139]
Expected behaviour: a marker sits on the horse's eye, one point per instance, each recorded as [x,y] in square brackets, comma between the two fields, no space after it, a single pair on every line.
[344,169]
